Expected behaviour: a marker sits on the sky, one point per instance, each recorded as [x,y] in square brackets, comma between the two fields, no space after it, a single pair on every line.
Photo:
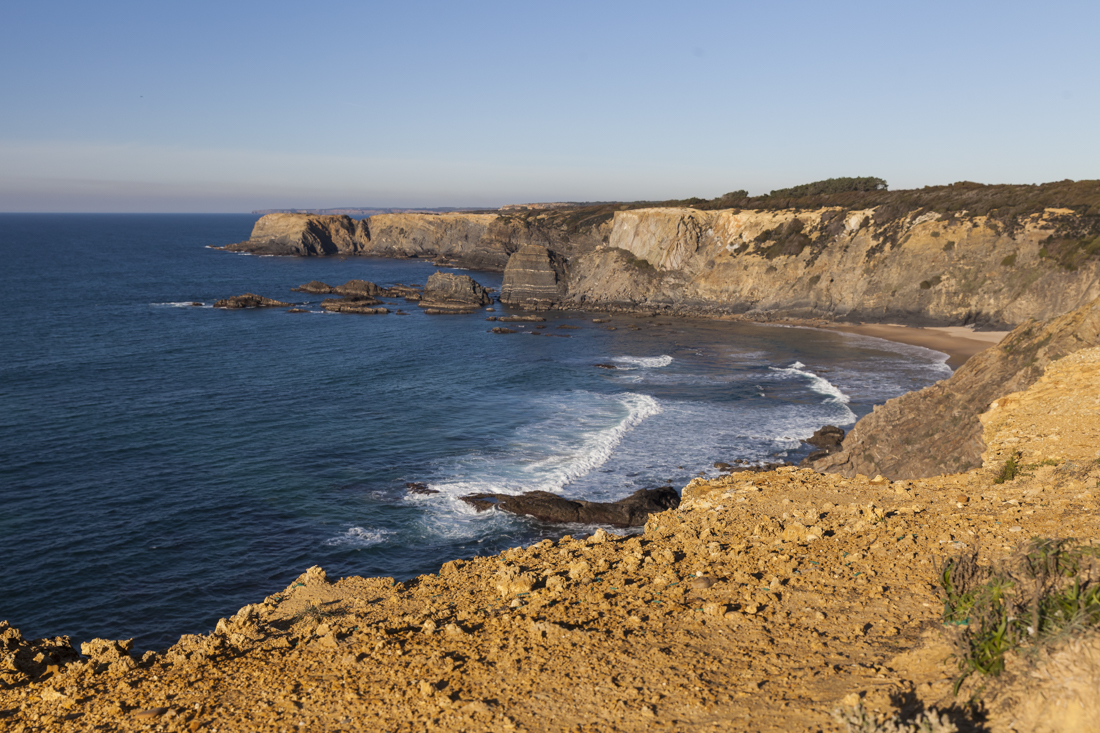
[234,106]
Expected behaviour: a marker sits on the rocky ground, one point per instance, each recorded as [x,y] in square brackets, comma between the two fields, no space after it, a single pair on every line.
[762,603]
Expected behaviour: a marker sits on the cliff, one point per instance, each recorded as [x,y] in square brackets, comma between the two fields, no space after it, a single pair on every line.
[837,264]
[936,430]
[459,237]
[304,235]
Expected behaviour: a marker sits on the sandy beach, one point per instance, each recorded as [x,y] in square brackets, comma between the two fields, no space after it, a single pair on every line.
[958,342]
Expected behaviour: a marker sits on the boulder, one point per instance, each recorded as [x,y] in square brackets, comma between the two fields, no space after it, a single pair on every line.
[314,286]
[446,292]
[828,437]
[535,278]
[359,288]
[250,300]
[547,507]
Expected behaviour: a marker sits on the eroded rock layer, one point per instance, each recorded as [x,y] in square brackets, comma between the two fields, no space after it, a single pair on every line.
[304,235]
[936,430]
[535,278]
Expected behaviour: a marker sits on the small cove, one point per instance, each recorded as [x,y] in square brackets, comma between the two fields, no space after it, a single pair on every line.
[165,464]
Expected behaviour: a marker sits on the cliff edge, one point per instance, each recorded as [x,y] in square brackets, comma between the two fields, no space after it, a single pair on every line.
[936,430]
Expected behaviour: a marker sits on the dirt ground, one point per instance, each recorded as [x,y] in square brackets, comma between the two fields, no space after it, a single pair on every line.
[762,603]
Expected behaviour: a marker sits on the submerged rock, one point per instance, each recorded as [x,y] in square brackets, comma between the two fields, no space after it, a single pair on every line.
[543,505]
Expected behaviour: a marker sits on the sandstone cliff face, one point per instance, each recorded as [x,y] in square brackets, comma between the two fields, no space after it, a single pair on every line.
[535,278]
[936,430]
[304,235]
[833,263]
[460,237]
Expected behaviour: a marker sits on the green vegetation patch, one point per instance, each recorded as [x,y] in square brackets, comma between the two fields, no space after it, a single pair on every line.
[1008,472]
[1046,591]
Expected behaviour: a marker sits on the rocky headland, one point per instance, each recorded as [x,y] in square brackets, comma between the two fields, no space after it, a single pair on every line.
[966,254]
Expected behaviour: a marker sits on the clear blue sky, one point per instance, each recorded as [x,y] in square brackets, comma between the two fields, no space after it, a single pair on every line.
[233,106]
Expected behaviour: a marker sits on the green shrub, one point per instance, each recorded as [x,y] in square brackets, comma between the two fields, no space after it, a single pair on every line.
[1045,591]
[832,186]
[1010,260]
[1009,471]
[949,246]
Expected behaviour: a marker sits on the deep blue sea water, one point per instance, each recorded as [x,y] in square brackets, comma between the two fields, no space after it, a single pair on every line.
[162,465]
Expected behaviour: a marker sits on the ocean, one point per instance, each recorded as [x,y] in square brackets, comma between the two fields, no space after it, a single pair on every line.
[164,464]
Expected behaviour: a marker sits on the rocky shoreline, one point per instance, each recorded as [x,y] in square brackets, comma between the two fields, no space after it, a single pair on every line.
[763,601]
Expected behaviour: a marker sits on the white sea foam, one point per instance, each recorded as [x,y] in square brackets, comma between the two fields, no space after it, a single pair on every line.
[182,304]
[817,383]
[643,362]
[578,437]
[358,537]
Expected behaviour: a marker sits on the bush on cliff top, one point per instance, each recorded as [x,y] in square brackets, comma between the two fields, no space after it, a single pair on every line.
[1047,590]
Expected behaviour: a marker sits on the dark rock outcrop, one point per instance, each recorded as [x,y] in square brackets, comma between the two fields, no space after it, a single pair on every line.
[250,300]
[827,440]
[314,286]
[304,235]
[446,292]
[359,289]
[535,278]
[547,507]
[936,430]
[365,306]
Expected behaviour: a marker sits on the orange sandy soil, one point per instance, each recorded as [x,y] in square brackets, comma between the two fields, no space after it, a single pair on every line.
[761,604]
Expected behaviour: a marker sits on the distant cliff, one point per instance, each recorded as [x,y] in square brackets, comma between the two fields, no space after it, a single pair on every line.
[833,263]
[478,241]
[304,235]
[992,256]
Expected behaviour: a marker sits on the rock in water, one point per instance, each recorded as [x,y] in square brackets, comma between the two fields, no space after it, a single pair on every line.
[543,505]
[534,278]
[250,300]
[353,305]
[359,288]
[449,293]
[314,286]
[827,440]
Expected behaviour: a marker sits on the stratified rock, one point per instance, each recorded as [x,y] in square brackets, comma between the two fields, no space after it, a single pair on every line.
[304,235]
[250,300]
[446,292]
[364,306]
[458,238]
[501,329]
[545,506]
[936,430]
[314,286]
[359,288]
[535,278]
[522,319]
